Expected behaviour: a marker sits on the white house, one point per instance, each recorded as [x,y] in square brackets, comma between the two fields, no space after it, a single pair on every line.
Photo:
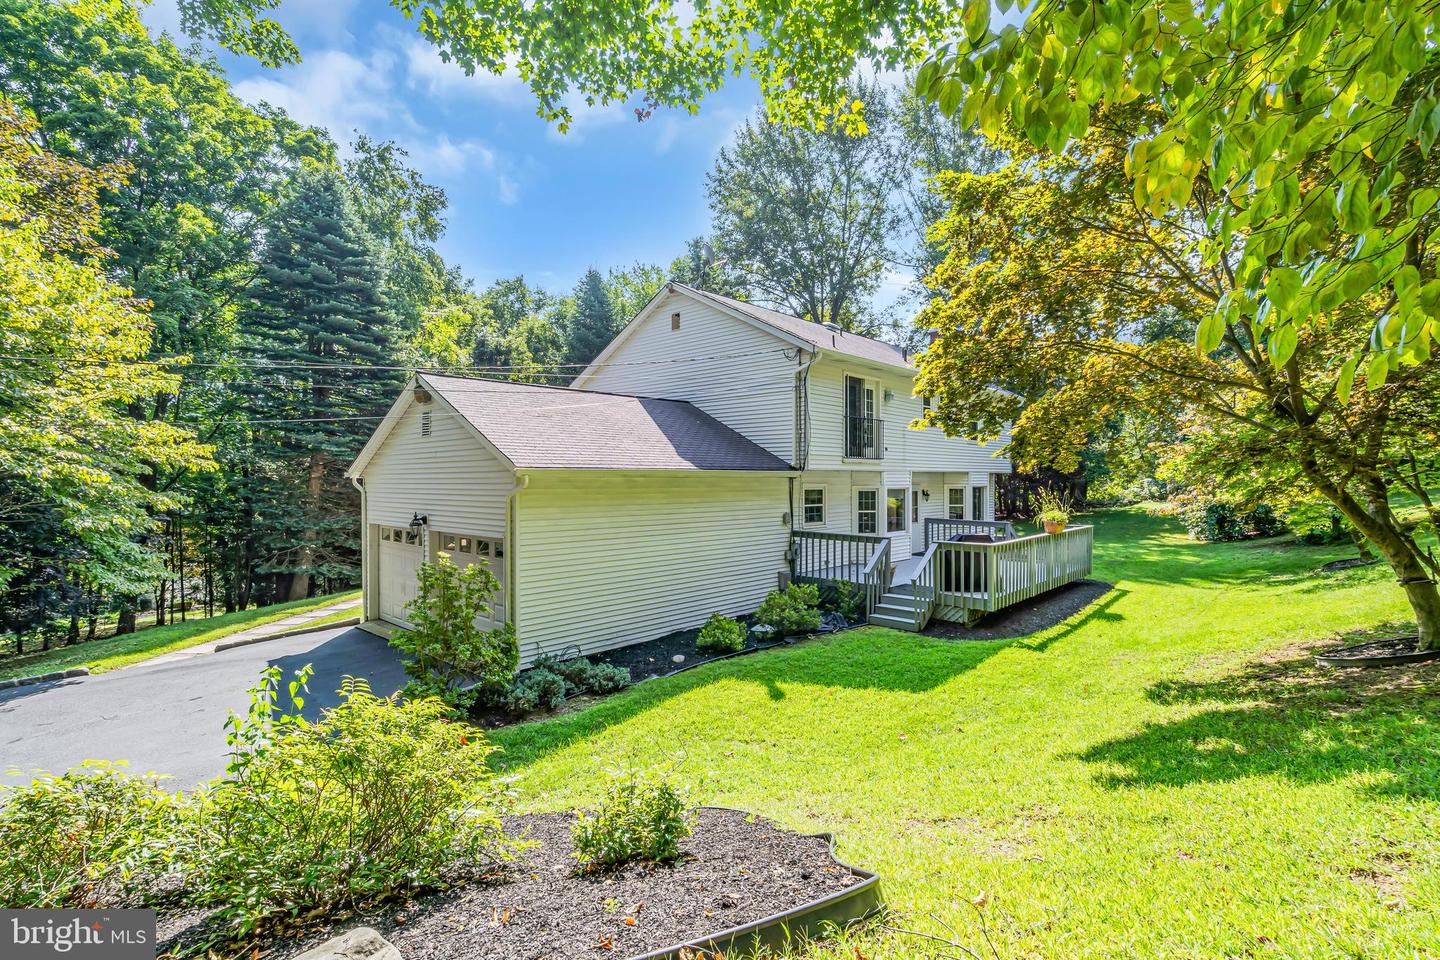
[713,450]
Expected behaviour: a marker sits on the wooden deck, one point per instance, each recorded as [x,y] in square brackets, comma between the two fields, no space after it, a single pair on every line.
[951,580]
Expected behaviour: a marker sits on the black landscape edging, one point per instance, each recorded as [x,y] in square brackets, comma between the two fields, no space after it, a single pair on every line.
[842,908]
[1336,658]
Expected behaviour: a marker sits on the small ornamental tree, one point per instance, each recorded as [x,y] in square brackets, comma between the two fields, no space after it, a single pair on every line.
[449,650]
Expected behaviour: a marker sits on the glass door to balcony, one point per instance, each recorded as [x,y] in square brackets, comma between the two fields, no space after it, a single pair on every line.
[863,438]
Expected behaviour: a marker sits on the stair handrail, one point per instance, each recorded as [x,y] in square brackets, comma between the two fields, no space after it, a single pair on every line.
[923,592]
[876,576]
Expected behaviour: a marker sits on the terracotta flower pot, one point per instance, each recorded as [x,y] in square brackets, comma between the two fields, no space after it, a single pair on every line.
[1053,527]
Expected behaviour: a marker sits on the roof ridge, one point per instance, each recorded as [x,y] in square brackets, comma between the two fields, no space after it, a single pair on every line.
[720,296]
[555,386]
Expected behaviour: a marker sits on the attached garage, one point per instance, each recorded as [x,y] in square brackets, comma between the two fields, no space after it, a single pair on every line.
[607,519]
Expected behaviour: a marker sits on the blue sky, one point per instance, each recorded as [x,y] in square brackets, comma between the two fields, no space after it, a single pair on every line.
[524,199]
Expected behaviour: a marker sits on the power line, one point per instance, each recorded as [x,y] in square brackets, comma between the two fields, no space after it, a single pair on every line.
[441,370]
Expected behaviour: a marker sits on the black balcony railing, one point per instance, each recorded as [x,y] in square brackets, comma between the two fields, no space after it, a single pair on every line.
[864,438]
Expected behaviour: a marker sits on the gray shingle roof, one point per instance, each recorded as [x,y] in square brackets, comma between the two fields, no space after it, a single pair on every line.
[559,428]
[815,334]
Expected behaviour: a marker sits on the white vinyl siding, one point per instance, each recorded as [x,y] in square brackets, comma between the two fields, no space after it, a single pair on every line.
[603,561]
[734,371]
[904,448]
[448,476]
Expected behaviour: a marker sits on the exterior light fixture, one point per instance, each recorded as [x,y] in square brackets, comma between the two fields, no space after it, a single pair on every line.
[417,521]
[925,494]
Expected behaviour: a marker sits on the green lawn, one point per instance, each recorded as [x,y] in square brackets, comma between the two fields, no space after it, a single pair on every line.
[112,652]
[1166,775]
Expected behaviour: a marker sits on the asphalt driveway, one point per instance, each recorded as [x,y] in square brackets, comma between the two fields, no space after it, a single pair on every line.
[169,716]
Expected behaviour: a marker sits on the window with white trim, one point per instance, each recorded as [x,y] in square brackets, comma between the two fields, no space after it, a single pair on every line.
[977,502]
[867,511]
[812,506]
[955,503]
[385,534]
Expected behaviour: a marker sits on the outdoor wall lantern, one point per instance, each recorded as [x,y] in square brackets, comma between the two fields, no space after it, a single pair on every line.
[925,494]
[417,521]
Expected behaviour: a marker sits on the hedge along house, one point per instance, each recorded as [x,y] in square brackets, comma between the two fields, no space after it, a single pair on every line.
[714,450]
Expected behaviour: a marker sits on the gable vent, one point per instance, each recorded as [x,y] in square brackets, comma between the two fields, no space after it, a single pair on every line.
[674,321]
[425,424]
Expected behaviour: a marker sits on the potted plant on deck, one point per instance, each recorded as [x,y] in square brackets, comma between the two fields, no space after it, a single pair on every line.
[1054,512]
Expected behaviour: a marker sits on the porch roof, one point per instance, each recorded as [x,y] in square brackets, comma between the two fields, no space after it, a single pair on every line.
[543,427]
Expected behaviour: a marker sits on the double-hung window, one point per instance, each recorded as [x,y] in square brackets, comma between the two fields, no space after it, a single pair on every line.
[813,506]
[867,511]
[955,503]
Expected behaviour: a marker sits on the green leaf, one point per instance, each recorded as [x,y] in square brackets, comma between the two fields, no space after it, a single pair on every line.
[1379,369]
[1282,344]
[1347,379]
[976,19]
[1210,332]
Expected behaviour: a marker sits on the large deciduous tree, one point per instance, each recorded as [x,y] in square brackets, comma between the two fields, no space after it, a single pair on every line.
[74,462]
[1058,283]
[805,217]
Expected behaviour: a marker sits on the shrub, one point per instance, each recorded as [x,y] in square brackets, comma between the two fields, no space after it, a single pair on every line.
[78,839]
[607,678]
[535,689]
[582,676]
[451,657]
[849,600]
[721,634]
[792,610]
[376,797]
[1263,522]
[643,816]
[1213,522]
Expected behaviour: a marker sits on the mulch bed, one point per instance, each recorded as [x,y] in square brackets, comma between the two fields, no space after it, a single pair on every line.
[1376,652]
[1347,564]
[736,869]
[1027,617]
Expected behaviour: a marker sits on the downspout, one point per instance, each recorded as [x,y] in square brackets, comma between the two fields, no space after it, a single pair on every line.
[522,480]
[365,592]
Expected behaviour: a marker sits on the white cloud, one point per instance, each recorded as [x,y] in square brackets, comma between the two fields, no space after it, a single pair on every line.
[344,93]
[427,70]
[332,89]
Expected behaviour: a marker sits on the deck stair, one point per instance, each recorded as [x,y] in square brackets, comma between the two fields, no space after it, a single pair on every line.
[897,609]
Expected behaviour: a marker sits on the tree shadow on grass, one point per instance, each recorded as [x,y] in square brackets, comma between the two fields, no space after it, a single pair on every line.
[868,658]
[1284,715]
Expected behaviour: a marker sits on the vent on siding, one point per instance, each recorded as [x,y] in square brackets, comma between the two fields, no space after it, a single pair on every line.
[425,424]
[674,321]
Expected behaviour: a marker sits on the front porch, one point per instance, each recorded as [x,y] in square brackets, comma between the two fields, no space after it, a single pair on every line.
[959,576]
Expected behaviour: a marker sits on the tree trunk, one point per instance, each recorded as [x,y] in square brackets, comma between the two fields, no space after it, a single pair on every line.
[125,621]
[1378,525]
[300,582]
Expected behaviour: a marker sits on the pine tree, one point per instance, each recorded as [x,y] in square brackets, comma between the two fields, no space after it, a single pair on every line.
[317,306]
[592,325]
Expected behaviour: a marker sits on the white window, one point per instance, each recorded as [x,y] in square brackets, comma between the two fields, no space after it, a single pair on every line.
[914,506]
[955,503]
[978,502]
[867,511]
[385,534]
[813,506]
[447,542]
[895,510]
[465,544]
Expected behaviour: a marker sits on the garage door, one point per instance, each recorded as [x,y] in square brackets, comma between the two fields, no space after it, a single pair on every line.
[401,552]
[463,551]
